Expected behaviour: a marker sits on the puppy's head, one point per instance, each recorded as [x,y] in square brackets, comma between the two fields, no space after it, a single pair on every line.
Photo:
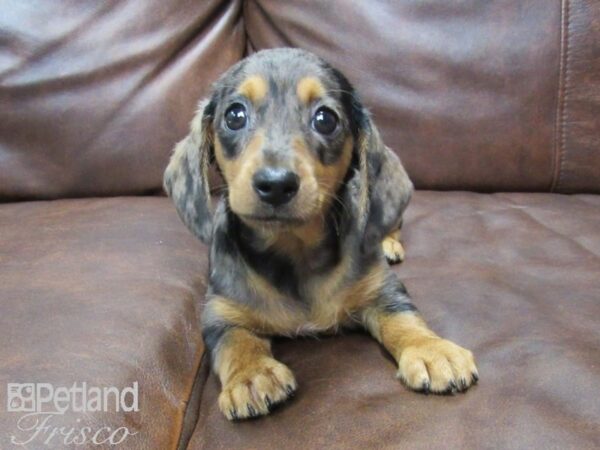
[282,138]
[284,128]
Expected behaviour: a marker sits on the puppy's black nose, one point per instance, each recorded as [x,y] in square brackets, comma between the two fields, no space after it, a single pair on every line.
[275,186]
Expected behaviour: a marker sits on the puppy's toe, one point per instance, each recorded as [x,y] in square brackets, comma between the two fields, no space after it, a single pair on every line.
[256,390]
[393,250]
[437,365]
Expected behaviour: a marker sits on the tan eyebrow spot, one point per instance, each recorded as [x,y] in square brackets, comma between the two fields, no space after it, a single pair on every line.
[309,89]
[254,88]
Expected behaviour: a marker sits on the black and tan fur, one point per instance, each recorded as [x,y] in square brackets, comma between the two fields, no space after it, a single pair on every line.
[312,265]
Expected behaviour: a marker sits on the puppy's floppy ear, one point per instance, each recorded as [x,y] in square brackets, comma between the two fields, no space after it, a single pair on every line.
[186,177]
[385,188]
[379,185]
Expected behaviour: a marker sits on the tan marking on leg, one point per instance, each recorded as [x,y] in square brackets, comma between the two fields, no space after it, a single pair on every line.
[426,362]
[252,380]
[271,317]
[360,294]
[309,89]
[254,88]
[392,248]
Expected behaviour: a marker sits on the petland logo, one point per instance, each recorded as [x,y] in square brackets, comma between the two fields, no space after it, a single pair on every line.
[41,402]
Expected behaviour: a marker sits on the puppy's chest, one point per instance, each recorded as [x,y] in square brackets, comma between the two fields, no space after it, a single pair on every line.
[322,301]
[316,306]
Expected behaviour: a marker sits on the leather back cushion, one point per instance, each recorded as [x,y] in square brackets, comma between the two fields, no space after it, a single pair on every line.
[472,95]
[94,94]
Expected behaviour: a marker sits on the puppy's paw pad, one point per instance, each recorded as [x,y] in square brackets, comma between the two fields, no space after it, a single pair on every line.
[393,250]
[438,366]
[257,390]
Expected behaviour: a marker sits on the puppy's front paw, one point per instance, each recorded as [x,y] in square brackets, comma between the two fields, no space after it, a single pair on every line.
[437,365]
[393,250]
[257,389]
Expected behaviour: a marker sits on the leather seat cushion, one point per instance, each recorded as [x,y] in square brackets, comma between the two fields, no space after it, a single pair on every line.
[102,291]
[108,291]
[513,277]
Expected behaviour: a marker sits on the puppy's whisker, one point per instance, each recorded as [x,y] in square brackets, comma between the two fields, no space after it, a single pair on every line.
[343,91]
[334,197]
[219,190]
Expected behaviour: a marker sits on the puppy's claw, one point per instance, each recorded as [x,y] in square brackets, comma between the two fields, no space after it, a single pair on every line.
[268,403]
[452,388]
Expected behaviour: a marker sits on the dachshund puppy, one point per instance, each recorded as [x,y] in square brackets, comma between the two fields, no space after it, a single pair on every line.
[298,242]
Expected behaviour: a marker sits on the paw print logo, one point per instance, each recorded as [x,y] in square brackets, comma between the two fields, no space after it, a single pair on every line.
[20,397]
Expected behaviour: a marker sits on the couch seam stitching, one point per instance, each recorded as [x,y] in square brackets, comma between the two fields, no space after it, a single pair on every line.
[270,21]
[197,376]
[563,97]
[559,93]
[190,394]
[248,42]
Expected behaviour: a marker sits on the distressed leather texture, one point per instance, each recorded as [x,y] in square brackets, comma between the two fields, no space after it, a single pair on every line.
[514,278]
[494,108]
[485,96]
[102,291]
[92,104]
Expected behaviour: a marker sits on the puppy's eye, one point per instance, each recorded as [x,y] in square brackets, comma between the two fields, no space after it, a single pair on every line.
[236,116]
[324,121]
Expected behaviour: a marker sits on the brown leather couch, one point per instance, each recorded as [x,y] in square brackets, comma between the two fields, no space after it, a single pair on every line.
[494,107]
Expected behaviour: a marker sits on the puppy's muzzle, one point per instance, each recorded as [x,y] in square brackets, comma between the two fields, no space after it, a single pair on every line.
[275,186]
